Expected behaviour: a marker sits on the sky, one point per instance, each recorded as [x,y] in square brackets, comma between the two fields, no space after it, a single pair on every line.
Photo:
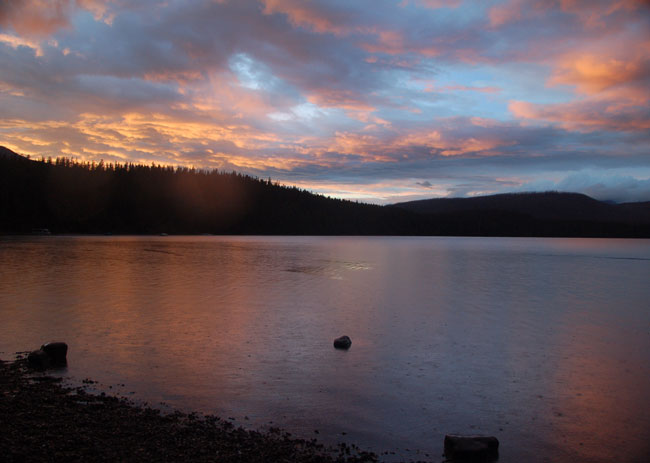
[372,100]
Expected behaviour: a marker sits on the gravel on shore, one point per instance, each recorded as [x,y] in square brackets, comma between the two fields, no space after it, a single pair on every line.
[45,421]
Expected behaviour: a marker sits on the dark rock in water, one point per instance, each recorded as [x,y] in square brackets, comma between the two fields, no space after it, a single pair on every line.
[39,359]
[51,354]
[471,448]
[344,342]
[57,352]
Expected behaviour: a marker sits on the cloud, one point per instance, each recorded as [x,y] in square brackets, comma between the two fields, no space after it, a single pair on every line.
[35,17]
[435,4]
[611,83]
[588,115]
[313,15]
[15,42]
[616,188]
[595,73]
[372,97]
[597,13]
[589,14]
[505,13]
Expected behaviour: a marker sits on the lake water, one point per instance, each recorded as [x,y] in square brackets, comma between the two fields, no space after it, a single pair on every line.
[544,343]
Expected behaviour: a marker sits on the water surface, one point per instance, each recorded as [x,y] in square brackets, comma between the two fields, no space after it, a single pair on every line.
[544,343]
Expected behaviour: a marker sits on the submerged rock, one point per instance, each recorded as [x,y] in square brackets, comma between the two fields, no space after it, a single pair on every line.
[51,354]
[344,342]
[471,448]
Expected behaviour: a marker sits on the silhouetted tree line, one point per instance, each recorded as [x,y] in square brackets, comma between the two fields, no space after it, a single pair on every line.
[67,196]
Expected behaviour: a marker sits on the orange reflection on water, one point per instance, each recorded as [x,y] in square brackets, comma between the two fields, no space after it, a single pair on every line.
[600,398]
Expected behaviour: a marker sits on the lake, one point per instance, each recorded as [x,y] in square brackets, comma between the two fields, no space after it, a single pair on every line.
[544,343]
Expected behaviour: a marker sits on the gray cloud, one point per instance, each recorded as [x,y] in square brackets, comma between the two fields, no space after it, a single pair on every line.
[616,188]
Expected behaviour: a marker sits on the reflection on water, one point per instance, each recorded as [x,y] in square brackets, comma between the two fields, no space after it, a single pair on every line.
[542,342]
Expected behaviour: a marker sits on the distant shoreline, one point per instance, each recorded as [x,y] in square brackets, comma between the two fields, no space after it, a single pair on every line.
[225,235]
[42,420]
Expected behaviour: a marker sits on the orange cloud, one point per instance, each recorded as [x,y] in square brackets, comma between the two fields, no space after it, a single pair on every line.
[592,73]
[445,144]
[16,42]
[472,145]
[586,116]
[135,136]
[613,84]
[345,99]
[363,145]
[380,147]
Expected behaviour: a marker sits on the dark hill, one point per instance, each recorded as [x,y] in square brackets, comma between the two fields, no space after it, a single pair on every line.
[638,211]
[6,153]
[65,196]
[553,206]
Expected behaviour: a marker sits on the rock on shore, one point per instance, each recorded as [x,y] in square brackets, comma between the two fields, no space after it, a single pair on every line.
[57,351]
[471,448]
[51,354]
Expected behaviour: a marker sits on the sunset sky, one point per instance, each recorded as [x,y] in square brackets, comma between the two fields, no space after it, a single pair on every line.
[375,100]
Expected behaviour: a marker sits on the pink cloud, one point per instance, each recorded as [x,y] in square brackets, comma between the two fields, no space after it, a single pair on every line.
[35,17]
[311,16]
[586,116]
[435,4]
[462,88]
[505,13]
[590,14]
[378,38]
[45,17]
[394,43]
[593,13]
[609,73]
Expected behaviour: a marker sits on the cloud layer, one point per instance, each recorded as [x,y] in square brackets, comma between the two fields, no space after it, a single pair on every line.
[376,100]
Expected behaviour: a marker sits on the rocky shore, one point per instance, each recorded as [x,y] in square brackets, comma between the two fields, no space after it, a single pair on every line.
[43,420]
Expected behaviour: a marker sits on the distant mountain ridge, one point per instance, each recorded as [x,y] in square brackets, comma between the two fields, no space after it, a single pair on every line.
[6,153]
[66,196]
[540,206]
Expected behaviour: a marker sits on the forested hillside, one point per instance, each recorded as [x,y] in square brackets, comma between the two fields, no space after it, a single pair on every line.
[70,197]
